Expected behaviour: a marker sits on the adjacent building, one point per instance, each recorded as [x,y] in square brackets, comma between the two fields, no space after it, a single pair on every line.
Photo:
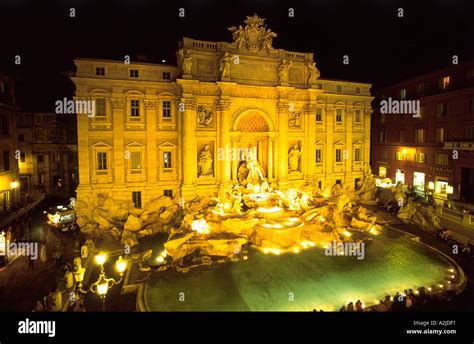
[9,175]
[47,155]
[186,130]
[433,149]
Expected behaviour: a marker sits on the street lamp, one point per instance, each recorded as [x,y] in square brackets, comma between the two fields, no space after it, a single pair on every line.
[14,184]
[103,283]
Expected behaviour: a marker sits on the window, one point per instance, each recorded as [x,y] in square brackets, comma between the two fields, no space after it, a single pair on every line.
[40,158]
[403,93]
[442,109]
[420,157]
[339,88]
[470,132]
[400,156]
[168,193]
[358,117]
[22,157]
[420,135]
[357,155]
[166,75]
[134,73]
[100,71]
[41,179]
[384,154]
[471,105]
[4,125]
[134,108]
[102,161]
[6,160]
[382,172]
[441,159]
[338,115]
[136,160]
[319,156]
[167,160]
[402,136]
[444,83]
[38,119]
[338,155]
[166,109]
[338,181]
[137,199]
[439,136]
[319,115]
[422,89]
[57,157]
[382,136]
[2,87]
[470,75]
[357,89]
[100,107]
[21,138]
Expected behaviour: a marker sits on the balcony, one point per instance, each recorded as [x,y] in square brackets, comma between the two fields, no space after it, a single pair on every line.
[135,122]
[102,176]
[100,122]
[136,175]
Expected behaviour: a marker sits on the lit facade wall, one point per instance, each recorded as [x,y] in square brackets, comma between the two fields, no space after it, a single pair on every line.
[245,107]
[446,124]
[8,145]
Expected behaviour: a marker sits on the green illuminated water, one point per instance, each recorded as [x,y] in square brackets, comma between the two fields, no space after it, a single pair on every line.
[393,262]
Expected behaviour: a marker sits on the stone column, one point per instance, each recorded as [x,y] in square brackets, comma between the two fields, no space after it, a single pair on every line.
[225,164]
[367,119]
[270,158]
[260,150]
[329,145]
[118,107]
[283,143]
[235,159]
[188,165]
[151,149]
[310,114]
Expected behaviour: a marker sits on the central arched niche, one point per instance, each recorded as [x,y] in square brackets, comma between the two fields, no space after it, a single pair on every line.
[252,122]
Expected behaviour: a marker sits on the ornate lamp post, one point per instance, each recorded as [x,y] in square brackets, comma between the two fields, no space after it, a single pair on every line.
[103,283]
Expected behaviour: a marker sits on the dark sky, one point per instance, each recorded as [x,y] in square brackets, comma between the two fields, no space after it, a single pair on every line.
[382,47]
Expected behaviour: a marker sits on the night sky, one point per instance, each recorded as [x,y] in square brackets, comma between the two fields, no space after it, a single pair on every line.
[382,47]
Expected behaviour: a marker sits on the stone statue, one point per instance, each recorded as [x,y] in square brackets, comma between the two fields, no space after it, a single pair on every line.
[283,71]
[254,37]
[224,66]
[186,61]
[205,162]
[205,118]
[313,73]
[293,158]
[256,173]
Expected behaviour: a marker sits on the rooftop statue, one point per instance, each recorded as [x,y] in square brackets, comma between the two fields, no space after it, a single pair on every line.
[254,36]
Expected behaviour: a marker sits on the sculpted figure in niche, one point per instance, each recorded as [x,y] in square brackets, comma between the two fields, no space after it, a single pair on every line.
[283,70]
[186,61]
[205,162]
[224,67]
[313,73]
[293,158]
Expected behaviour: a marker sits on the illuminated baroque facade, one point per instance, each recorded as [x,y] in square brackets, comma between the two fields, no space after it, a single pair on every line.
[185,130]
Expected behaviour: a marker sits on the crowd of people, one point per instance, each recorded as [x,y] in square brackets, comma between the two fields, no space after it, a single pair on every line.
[421,299]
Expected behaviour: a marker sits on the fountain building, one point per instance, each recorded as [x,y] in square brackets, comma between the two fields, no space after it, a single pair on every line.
[159,129]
